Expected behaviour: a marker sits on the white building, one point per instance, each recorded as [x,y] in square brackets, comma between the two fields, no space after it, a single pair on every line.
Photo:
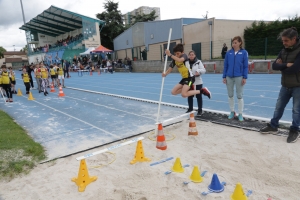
[141,10]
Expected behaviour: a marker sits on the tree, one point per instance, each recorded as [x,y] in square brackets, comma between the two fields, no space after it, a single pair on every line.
[25,49]
[143,17]
[2,50]
[114,23]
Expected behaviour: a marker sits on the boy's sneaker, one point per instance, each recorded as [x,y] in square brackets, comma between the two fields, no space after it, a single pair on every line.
[268,129]
[293,136]
[205,92]
[231,115]
[11,100]
[64,86]
[45,93]
[240,117]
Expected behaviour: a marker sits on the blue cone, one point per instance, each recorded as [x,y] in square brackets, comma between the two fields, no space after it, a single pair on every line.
[215,185]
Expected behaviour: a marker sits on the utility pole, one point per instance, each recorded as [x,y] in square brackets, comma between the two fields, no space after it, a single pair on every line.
[24,24]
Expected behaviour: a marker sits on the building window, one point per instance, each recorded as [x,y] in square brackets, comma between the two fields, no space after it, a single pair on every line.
[151,36]
[127,42]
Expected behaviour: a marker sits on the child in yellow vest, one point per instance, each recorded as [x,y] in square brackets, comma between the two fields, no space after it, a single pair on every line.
[6,83]
[61,75]
[1,89]
[44,72]
[26,80]
[12,78]
[37,75]
[53,75]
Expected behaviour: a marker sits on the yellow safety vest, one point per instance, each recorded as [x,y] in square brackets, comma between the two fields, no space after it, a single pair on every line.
[38,74]
[5,78]
[12,76]
[60,71]
[52,72]
[44,73]
[0,79]
[26,78]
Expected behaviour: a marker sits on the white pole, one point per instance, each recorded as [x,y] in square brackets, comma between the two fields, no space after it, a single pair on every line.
[163,78]
[2,95]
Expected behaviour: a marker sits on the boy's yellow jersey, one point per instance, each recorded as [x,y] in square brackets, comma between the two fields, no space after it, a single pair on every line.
[44,72]
[26,78]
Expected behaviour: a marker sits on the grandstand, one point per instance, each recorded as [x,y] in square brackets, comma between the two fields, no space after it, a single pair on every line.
[57,34]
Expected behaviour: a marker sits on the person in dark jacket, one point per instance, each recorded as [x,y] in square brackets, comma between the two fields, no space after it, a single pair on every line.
[224,50]
[288,62]
[236,73]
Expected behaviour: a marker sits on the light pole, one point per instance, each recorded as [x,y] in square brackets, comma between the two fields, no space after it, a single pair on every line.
[24,24]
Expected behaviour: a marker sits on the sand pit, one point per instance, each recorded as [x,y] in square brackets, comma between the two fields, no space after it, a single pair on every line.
[265,164]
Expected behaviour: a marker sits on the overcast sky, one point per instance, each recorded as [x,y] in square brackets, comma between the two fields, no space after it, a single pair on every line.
[11,14]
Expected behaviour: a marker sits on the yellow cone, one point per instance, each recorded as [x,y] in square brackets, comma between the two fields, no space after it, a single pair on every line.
[238,193]
[139,154]
[83,178]
[19,92]
[177,167]
[30,97]
[195,176]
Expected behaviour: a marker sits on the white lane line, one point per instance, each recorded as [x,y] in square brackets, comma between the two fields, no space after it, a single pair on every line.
[110,108]
[78,119]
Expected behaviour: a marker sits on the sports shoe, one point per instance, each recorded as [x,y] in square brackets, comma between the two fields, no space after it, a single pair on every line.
[268,129]
[205,92]
[231,115]
[293,136]
[11,100]
[240,117]
[188,111]
[45,93]
[64,86]
[199,113]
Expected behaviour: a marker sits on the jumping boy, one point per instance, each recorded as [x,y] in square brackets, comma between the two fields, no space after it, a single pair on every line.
[184,87]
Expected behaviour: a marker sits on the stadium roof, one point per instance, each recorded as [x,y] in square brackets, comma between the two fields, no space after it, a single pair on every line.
[56,21]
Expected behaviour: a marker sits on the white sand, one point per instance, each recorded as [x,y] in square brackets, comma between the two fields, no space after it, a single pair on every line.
[265,164]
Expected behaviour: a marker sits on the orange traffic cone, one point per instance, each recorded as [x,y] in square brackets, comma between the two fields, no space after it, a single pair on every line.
[52,88]
[91,73]
[192,126]
[61,93]
[161,142]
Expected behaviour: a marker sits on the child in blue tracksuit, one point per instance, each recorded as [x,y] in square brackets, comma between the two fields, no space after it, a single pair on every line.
[236,73]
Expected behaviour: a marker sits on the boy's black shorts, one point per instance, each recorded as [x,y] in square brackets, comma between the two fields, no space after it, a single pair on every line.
[53,76]
[13,82]
[187,81]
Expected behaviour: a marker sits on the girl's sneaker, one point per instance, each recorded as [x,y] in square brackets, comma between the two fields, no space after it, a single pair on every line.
[240,117]
[231,115]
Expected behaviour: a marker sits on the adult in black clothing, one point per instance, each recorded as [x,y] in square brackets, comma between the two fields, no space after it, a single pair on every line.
[129,64]
[224,50]
[30,69]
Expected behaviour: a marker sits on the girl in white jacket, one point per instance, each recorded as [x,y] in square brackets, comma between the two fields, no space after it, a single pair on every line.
[197,69]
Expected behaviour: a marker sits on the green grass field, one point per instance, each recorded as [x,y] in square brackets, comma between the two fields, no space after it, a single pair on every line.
[18,151]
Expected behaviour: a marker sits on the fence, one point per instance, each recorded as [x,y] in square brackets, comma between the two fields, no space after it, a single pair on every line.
[259,48]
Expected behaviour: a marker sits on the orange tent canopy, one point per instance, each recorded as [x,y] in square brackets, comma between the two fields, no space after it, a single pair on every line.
[101,49]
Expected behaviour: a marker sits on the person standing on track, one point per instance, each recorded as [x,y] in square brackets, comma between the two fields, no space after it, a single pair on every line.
[236,73]
[44,72]
[288,62]
[197,69]
[12,77]
[6,83]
